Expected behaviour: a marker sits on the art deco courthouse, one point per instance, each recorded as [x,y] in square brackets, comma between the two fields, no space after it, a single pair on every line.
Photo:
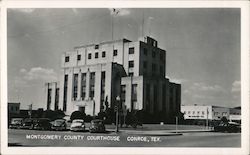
[98,73]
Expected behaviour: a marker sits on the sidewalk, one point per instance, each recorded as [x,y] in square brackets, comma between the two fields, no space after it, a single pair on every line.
[160,132]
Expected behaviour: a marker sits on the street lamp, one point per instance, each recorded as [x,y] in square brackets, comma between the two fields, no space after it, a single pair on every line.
[117,112]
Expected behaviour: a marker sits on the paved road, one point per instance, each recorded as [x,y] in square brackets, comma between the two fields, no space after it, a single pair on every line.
[86,139]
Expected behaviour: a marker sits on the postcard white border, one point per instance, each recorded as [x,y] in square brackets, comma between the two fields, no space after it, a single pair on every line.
[244,5]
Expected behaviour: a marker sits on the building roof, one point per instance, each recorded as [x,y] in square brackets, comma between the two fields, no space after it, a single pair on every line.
[102,43]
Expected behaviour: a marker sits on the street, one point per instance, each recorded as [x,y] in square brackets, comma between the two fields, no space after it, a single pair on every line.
[31,138]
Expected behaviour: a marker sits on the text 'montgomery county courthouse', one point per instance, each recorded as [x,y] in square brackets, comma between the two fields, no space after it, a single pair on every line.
[98,73]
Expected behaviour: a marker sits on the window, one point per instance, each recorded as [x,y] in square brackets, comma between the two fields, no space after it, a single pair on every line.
[96,46]
[56,98]
[96,55]
[131,64]
[184,112]
[198,112]
[78,57]
[92,85]
[131,50]
[145,64]
[155,93]
[89,56]
[145,51]
[103,54]
[161,69]
[162,56]
[153,54]
[65,92]
[188,112]
[115,53]
[92,76]
[103,76]
[193,112]
[67,59]
[202,112]
[153,67]
[130,74]
[48,99]
[75,86]
[83,86]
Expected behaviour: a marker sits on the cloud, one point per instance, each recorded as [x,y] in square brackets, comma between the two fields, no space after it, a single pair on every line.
[204,93]
[38,73]
[236,86]
[204,87]
[119,12]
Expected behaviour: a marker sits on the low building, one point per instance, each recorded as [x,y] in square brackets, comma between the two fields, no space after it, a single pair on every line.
[235,115]
[13,111]
[13,108]
[209,112]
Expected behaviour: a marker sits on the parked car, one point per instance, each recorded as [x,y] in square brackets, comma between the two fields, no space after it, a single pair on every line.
[42,124]
[59,124]
[16,123]
[97,125]
[228,127]
[28,123]
[77,125]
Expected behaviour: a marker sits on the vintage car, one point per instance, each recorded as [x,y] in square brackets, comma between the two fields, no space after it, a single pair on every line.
[97,125]
[16,123]
[228,127]
[28,123]
[77,125]
[42,124]
[59,124]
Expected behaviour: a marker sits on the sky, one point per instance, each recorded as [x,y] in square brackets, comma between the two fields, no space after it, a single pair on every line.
[202,45]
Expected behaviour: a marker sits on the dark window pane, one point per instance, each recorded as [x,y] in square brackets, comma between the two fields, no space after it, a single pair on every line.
[131,64]
[103,54]
[96,55]
[131,50]
[115,53]
[78,57]
[67,59]
[89,56]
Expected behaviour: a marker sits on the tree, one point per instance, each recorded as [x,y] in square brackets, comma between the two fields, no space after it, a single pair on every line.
[77,115]
[224,119]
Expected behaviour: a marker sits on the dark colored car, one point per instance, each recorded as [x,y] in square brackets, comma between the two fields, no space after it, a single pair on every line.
[42,124]
[228,127]
[97,125]
[16,123]
[28,123]
[59,124]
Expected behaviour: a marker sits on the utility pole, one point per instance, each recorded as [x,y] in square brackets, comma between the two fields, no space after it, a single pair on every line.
[176,124]
[207,119]
[117,113]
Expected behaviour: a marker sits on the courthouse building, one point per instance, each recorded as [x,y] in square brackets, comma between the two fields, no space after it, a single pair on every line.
[95,74]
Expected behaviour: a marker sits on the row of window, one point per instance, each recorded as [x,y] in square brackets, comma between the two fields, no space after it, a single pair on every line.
[194,112]
[154,67]
[161,55]
[115,53]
